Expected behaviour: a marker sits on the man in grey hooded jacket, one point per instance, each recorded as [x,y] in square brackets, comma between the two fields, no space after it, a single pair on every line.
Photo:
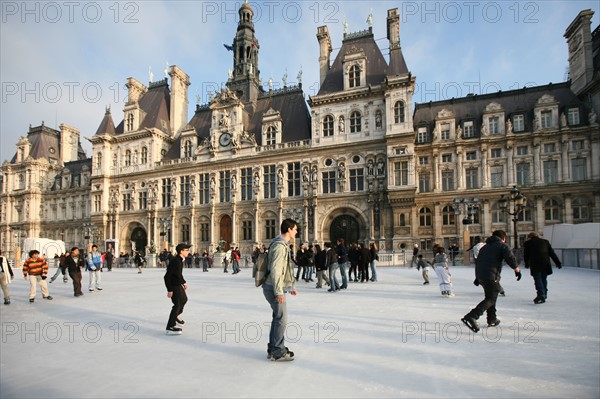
[279,281]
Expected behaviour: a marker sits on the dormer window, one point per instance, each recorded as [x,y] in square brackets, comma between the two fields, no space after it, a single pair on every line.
[573,116]
[422,135]
[129,122]
[546,119]
[445,128]
[399,112]
[272,135]
[468,130]
[328,126]
[354,76]
[494,125]
[187,149]
[518,123]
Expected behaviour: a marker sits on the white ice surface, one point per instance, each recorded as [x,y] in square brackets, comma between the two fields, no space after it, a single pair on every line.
[393,338]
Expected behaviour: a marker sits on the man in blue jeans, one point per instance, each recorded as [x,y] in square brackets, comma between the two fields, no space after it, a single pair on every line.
[538,253]
[279,281]
[342,253]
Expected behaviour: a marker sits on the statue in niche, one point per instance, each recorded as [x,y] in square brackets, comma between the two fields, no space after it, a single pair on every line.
[280,177]
[314,174]
[213,185]
[563,120]
[233,182]
[225,119]
[342,171]
[256,180]
[305,174]
[484,130]
[342,125]
[380,167]
[509,126]
[378,119]
[370,167]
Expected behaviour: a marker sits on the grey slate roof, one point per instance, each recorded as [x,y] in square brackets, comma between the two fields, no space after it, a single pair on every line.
[521,101]
[42,139]
[107,126]
[377,66]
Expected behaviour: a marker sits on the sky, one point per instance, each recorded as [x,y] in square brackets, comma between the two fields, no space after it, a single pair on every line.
[395,338]
[65,62]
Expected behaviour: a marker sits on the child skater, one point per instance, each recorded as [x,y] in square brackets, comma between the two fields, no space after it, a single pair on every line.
[440,265]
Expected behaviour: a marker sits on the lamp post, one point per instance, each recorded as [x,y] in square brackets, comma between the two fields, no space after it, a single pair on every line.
[517,202]
[90,230]
[471,207]
[165,225]
[18,233]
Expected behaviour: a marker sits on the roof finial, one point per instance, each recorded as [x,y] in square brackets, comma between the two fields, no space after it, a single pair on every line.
[345,26]
[370,19]
[166,71]
[150,74]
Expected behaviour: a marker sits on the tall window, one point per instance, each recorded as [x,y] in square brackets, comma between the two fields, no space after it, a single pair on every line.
[498,215]
[204,187]
[127,202]
[550,171]
[401,173]
[187,149]
[581,209]
[97,203]
[185,231]
[472,178]
[354,76]
[448,216]
[497,176]
[225,186]
[184,191]
[269,183]
[246,184]
[357,179]
[99,162]
[552,210]
[468,130]
[399,112]
[329,182]
[143,200]
[546,119]
[523,174]
[422,136]
[128,158]
[447,180]
[494,125]
[144,156]
[424,182]
[247,230]
[445,127]
[293,177]
[328,126]
[573,116]
[204,232]
[518,123]
[355,122]
[166,193]
[270,229]
[578,169]
[425,217]
[271,135]
[129,122]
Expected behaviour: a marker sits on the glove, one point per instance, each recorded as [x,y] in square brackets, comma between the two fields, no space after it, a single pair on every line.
[559,266]
[476,282]
[44,276]
[518,274]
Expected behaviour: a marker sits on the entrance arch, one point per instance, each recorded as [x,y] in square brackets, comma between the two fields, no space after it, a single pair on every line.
[140,238]
[225,230]
[346,227]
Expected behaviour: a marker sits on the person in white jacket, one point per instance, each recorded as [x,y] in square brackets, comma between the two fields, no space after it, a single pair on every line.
[6,276]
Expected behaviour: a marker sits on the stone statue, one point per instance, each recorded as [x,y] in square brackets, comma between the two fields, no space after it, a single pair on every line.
[256,179]
[305,174]
[314,174]
[280,177]
[563,120]
[370,20]
[484,130]
[271,83]
[299,77]
[285,78]
[509,126]
[230,73]
[213,185]
[233,182]
[592,117]
[225,119]
[342,171]
[342,125]
[370,167]
[150,75]
[378,119]
[166,71]
[345,27]
[380,167]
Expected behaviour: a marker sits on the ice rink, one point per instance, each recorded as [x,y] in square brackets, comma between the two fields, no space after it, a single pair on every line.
[393,338]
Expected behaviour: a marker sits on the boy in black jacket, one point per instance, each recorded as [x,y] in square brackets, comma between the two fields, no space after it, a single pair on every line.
[176,287]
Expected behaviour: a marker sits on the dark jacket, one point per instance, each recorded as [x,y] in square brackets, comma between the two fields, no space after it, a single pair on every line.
[488,264]
[301,258]
[174,275]
[365,257]
[342,254]
[321,260]
[537,254]
[354,255]
[73,266]
[310,257]
[331,257]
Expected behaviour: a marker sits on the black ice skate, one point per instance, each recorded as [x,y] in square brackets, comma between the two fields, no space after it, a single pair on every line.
[471,323]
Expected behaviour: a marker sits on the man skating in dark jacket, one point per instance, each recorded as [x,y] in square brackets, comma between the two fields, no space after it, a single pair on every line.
[176,287]
[537,254]
[488,267]
[74,262]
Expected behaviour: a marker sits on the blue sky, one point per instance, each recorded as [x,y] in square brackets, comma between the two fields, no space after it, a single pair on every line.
[64,62]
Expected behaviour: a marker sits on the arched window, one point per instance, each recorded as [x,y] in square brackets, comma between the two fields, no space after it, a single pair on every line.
[448,216]
[552,210]
[328,126]
[354,76]
[187,149]
[425,217]
[399,112]
[355,122]
[581,210]
[99,162]
[144,158]
[271,135]
[402,219]
[128,158]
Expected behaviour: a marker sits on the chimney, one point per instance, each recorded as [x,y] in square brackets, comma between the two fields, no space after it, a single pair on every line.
[135,90]
[393,29]
[69,143]
[179,98]
[324,51]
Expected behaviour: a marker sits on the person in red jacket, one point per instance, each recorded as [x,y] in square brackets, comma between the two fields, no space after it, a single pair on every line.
[37,269]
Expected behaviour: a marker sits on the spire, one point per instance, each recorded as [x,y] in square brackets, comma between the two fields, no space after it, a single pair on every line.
[107,126]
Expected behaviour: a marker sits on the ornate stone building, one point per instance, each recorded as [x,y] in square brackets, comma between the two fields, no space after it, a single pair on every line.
[357,164]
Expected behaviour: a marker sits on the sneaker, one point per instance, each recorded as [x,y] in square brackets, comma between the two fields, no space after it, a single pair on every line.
[286,357]
[173,331]
[179,321]
[493,323]
[31,300]
[539,299]
[48,297]
[471,323]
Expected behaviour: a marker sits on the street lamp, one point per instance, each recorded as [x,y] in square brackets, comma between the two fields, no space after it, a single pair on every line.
[471,207]
[517,202]
[18,233]
[165,225]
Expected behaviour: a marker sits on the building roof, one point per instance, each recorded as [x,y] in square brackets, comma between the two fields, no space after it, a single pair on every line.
[513,101]
[107,126]
[377,66]
[45,144]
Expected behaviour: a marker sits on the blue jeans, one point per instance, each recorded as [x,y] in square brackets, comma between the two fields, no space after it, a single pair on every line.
[309,272]
[373,270]
[343,267]
[541,284]
[276,344]
[333,281]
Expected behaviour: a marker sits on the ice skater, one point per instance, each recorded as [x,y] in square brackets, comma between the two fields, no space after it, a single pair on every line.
[422,264]
[538,253]
[176,287]
[440,265]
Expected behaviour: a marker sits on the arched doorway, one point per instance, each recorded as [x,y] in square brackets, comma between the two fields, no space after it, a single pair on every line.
[140,238]
[346,227]
[225,228]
